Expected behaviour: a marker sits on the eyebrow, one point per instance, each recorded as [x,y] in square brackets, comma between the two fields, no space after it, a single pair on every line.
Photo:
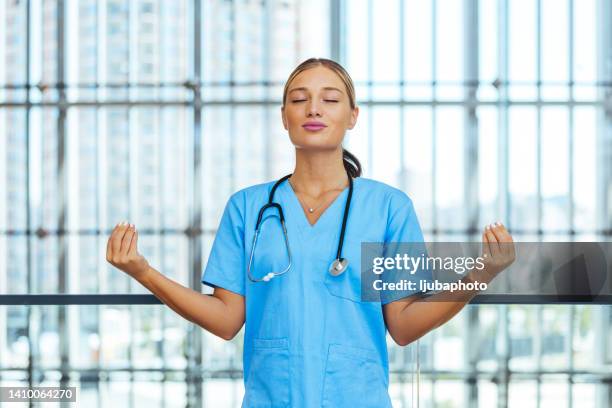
[327,88]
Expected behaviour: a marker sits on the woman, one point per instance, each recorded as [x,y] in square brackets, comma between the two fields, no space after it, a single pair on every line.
[310,339]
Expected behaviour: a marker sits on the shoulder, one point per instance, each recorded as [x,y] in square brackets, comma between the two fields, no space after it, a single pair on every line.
[255,189]
[393,196]
[253,193]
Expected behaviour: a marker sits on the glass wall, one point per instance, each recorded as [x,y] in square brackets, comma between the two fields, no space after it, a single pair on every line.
[156,111]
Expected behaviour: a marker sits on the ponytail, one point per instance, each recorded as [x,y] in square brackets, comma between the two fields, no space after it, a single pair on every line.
[351,163]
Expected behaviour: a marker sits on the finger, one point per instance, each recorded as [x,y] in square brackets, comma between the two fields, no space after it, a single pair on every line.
[493,245]
[496,229]
[506,239]
[503,232]
[127,239]
[134,243]
[118,237]
[486,251]
[110,245]
[129,245]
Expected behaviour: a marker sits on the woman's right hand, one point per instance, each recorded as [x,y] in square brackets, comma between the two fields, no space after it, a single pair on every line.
[122,251]
[498,250]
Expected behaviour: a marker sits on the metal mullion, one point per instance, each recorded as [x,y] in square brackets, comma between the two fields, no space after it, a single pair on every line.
[539,211]
[268,155]
[571,209]
[232,111]
[343,27]
[434,177]
[101,191]
[3,47]
[29,283]
[596,377]
[538,336]
[161,171]
[161,242]
[403,182]
[63,197]
[431,342]
[434,130]
[335,30]
[604,176]
[221,83]
[601,318]
[503,369]
[132,166]
[194,335]
[368,103]
[570,356]
[402,123]
[604,116]
[471,193]
[297,29]
[3,154]
[572,308]
[212,231]
[149,299]
[472,334]
[504,201]
[370,25]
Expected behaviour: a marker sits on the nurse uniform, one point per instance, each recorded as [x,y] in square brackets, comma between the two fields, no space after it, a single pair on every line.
[310,340]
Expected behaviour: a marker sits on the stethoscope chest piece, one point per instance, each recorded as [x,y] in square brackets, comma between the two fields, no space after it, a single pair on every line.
[338,266]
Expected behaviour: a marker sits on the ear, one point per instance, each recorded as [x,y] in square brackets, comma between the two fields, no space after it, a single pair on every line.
[283,117]
[353,119]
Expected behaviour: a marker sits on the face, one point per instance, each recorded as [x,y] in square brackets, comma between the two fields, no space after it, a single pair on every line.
[317,110]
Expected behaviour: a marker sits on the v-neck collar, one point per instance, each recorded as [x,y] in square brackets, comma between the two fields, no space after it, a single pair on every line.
[300,215]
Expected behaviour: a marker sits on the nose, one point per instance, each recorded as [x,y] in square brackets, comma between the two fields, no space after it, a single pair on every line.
[312,108]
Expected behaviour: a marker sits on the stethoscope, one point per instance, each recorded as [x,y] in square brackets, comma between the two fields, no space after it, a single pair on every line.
[338,265]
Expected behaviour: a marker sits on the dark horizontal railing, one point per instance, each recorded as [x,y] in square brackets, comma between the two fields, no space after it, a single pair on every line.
[146,299]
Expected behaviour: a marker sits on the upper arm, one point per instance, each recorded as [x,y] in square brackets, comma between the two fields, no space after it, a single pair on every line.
[234,304]
[226,263]
[403,236]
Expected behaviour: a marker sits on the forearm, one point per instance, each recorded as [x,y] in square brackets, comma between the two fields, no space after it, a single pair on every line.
[415,318]
[419,317]
[207,311]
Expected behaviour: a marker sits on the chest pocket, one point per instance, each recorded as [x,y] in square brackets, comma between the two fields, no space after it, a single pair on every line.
[348,285]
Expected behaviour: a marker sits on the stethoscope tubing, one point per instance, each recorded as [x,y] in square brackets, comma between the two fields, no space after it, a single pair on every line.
[334,268]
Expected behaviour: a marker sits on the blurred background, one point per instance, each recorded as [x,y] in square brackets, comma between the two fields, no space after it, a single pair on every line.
[155,111]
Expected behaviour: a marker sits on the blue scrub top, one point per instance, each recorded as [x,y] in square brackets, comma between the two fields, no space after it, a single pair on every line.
[310,341]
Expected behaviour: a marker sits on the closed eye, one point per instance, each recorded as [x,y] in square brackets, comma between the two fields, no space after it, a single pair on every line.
[325,100]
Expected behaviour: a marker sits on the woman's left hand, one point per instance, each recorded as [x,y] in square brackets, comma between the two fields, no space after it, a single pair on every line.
[497,250]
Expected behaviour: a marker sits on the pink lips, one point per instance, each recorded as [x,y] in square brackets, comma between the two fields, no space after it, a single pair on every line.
[314,126]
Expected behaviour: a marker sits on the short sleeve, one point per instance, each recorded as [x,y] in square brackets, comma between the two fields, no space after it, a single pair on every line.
[403,236]
[226,262]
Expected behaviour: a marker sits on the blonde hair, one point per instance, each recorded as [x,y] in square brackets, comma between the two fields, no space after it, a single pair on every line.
[351,163]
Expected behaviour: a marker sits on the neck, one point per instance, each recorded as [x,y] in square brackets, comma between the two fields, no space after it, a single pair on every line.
[319,171]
